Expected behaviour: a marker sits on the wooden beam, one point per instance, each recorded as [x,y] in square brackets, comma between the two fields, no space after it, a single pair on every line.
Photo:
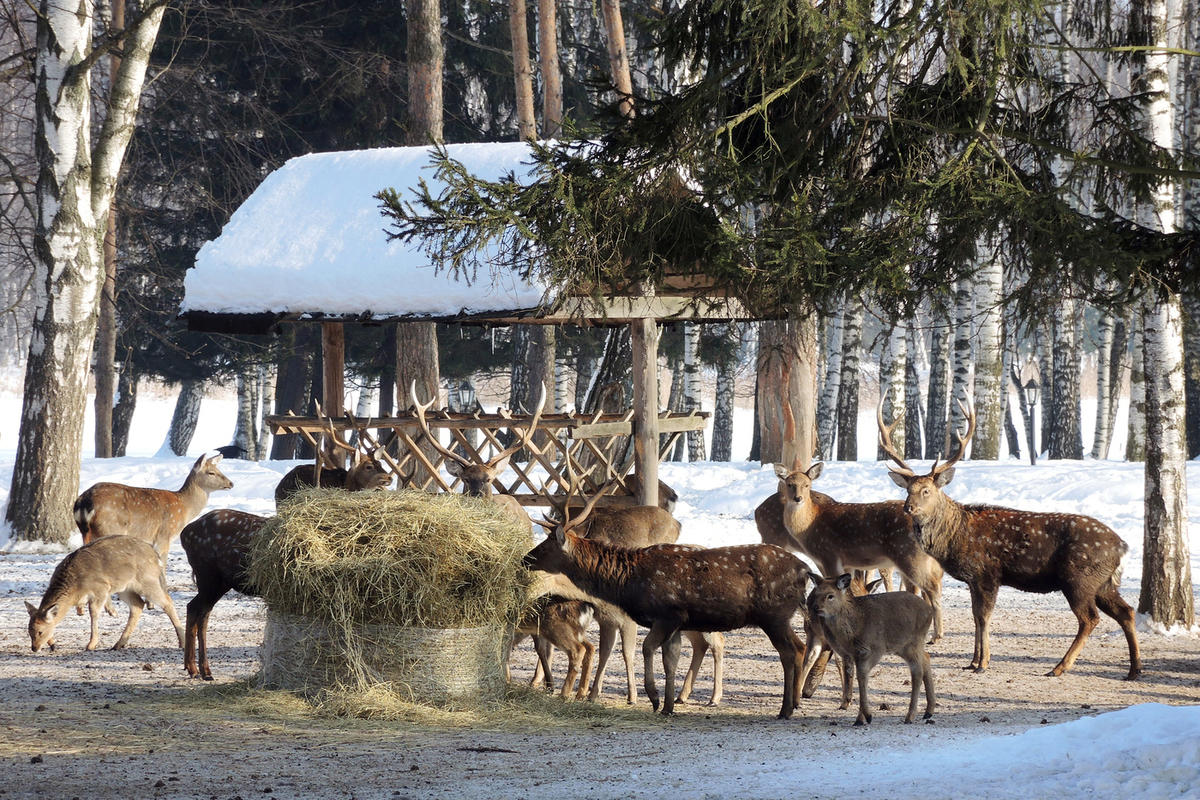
[645,407]
[333,383]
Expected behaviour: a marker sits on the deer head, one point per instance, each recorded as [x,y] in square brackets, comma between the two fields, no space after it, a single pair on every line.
[795,484]
[924,491]
[476,476]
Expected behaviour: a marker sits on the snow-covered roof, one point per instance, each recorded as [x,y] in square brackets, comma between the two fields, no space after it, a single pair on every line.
[310,240]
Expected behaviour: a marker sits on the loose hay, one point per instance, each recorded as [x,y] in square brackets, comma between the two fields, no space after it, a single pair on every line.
[411,592]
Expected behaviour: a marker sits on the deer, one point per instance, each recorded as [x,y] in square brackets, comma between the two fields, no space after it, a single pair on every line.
[217,547]
[124,565]
[702,642]
[479,476]
[839,537]
[864,628]
[365,474]
[669,588]
[154,515]
[629,527]
[987,547]
[554,621]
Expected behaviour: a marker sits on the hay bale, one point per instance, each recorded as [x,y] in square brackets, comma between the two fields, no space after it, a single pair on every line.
[407,589]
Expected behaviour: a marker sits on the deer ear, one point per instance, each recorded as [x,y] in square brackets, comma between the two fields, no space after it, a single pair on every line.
[500,465]
[781,472]
[814,471]
[843,582]
[49,612]
[31,608]
[898,479]
[454,468]
[560,535]
[944,478]
[873,585]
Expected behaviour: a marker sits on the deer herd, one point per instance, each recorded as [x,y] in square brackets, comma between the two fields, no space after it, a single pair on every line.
[624,568]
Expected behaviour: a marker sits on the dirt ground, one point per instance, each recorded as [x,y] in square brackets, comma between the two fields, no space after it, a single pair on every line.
[131,724]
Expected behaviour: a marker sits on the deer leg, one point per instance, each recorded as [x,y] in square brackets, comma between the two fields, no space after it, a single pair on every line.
[699,648]
[816,656]
[586,669]
[656,636]
[136,604]
[192,637]
[670,657]
[983,600]
[863,666]
[541,646]
[915,679]
[1089,616]
[784,639]
[160,597]
[927,678]
[572,672]
[716,640]
[608,636]
[1111,603]
[94,611]
[847,669]
[628,631]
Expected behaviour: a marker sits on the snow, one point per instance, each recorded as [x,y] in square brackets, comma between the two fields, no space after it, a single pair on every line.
[1147,750]
[311,239]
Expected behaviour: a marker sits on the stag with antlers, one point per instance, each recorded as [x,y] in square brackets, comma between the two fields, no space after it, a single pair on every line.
[987,547]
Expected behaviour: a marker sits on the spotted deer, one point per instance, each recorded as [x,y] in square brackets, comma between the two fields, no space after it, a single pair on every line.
[839,537]
[153,515]
[365,474]
[987,547]
[670,588]
[478,477]
[124,565]
[553,621]
[864,628]
[628,527]
[217,547]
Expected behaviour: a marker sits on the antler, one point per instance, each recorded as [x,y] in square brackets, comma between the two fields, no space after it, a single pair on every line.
[524,436]
[885,442]
[962,439]
[573,484]
[433,440]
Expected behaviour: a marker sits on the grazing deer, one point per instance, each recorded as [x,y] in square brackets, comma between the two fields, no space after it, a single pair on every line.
[217,546]
[987,547]
[478,476]
[669,588]
[839,537]
[553,621]
[630,527]
[154,515]
[862,629]
[365,474]
[124,565]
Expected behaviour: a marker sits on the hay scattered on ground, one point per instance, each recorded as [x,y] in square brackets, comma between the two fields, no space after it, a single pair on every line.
[401,558]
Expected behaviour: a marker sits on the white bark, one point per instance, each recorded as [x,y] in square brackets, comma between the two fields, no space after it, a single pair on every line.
[1104,347]
[847,415]
[891,383]
[989,358]
[939,376]
[828,402]
[1066,439]
[1135,439]
[691,386]
[960,387]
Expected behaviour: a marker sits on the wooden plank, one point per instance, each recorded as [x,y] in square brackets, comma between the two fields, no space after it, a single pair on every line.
[645,408]
[666,424]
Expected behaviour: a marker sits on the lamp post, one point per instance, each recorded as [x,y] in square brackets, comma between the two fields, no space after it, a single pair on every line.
[1032,391]
[461,398]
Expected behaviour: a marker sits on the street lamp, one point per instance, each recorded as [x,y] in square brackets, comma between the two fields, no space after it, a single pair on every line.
[1033,392]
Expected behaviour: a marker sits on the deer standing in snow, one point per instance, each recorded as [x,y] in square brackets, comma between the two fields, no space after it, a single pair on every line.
[124,565]
[987,547]
[217,547]
[153,515]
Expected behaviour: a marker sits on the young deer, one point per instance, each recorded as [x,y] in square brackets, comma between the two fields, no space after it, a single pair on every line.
[669,588]
[123,565]
[630,527]
[153,515]
[702,642]
[862,629]
[217,546]
[478,476]
[561,623]
[365,474]
[987,547]
[840,537]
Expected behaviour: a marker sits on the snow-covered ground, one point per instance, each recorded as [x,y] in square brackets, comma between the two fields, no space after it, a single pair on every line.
[1151,750]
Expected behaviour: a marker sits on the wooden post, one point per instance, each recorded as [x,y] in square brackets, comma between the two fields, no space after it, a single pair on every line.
[645,408]
[333,385]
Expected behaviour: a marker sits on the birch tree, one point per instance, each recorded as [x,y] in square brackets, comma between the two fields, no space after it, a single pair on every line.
[892,383]
[939,380]
[1135,439]
[691,387]
[76,182]
[1065,435]
[960,385]
[847,407]
[914,412]
[723,407]
[827,403]
[989,357]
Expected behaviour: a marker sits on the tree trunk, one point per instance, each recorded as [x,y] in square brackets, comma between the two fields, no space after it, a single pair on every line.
[847,408]
[522,70]
[913,412]
[417,362]
[1135,440]
[675,403]
[1044,337]
[75,187]
[425,59]
[827,404]
[291,388]
[1191,370]
[691,387]
[187,414]
[939,380]
[266,389]
[552,100]
[787,388]
[989,358]
[723,408]
[618,56]
[610,388]
[1066,441]
[892,366]
[1104,347]
[960,390]
[245,432]
[127,392]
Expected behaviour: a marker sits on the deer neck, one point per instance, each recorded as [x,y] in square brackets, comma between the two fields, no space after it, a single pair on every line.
[844,624]
[605,572]
[193,495]
[943,527]
[799,517]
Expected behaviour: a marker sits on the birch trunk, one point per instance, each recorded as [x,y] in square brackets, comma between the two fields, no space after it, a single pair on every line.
[185,416]
[722,442]
[1135,440]
[245,433]
[913,411]
[75,187]
[960,388]
[891,383]
[1066,439]
[847,407]
[939,379]
[989,358]
[1104,346]
[1191,370]
[828,401]
[691,387]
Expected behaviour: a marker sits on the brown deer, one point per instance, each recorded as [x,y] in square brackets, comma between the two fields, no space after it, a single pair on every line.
[864,628]
[669,588]
[839,537]
[478,476]
[553,621]
[154,515]
[702,642]
[817,647]
[987,547]
[124,565]
[629,527]
[365,474]
[217,547]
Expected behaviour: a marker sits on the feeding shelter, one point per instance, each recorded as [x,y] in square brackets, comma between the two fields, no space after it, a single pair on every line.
[308,246]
